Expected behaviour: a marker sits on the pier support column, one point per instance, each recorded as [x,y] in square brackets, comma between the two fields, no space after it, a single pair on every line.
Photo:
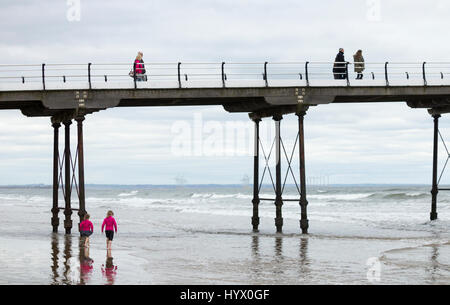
[55,208]
[435,190]
[82,208]
[278,187]
[67,172]
[303,202]
[255,201]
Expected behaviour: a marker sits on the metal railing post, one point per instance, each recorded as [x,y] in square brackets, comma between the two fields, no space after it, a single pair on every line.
[43,76]
[134,75]
[179,74]
[307,74]
[223,74]
[346,73]
[424,75]
[386,73]
[89,75]
[265,74]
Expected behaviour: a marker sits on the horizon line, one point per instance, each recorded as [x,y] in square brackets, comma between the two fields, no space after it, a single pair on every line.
[215,184]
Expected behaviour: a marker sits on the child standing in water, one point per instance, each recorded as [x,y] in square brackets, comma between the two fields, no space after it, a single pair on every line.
[110,223]
[86,229]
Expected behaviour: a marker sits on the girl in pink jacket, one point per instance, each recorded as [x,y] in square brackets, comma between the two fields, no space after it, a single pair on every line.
[110,223]
[86,229]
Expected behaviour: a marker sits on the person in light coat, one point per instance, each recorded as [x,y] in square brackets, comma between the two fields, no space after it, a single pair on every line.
[359,64]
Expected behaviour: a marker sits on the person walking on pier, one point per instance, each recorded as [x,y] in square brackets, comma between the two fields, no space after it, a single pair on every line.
[143,66]
[140,68]
[339,67]
[111,225]
[86,229]
[359,64]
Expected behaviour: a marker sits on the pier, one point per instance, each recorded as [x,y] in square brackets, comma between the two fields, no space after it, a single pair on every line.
[68,93]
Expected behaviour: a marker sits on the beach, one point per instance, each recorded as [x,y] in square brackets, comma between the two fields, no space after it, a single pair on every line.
[203,235]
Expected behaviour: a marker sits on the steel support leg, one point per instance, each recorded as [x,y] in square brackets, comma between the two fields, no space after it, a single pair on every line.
[67,172]
[255,201]
[278,186]
[303,202]
[434,190]
[82,209]
[55,209]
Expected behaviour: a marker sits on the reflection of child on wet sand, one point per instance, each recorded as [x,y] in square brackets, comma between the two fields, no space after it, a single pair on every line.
[86,229]
[110,223]
[86,265]
[86,268]
[109,270]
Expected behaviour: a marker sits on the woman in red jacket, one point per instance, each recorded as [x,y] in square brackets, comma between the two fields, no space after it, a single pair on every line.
[140,68]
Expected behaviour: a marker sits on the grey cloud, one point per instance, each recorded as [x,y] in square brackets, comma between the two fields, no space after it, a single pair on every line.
[357,143]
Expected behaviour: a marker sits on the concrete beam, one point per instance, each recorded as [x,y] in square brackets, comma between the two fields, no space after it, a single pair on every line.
[439,110]
[50,102]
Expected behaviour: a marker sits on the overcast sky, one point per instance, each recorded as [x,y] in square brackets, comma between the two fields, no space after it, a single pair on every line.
[361,143]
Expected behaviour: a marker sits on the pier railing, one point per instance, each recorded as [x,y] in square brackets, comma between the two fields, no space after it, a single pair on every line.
[221,74]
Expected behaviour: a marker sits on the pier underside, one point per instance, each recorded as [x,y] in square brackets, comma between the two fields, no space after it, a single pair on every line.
[51,102]
[67,106]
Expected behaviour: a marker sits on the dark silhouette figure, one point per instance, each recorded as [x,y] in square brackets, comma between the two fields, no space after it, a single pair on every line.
[340,67]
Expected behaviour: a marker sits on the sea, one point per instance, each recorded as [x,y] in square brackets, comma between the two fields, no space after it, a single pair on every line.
[202,234]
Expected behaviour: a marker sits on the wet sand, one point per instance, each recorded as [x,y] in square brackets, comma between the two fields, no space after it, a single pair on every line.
[158,247]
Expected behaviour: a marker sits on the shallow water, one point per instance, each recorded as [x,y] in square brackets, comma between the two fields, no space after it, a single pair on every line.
[202,235]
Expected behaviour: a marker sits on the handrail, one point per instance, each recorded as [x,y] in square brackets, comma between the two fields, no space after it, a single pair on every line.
[411,72]
[20,65]
[218,63]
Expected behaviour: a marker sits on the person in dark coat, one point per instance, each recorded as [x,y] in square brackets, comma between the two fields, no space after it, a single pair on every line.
[339,70]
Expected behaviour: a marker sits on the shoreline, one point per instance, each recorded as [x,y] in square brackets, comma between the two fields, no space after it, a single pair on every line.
[178,252]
